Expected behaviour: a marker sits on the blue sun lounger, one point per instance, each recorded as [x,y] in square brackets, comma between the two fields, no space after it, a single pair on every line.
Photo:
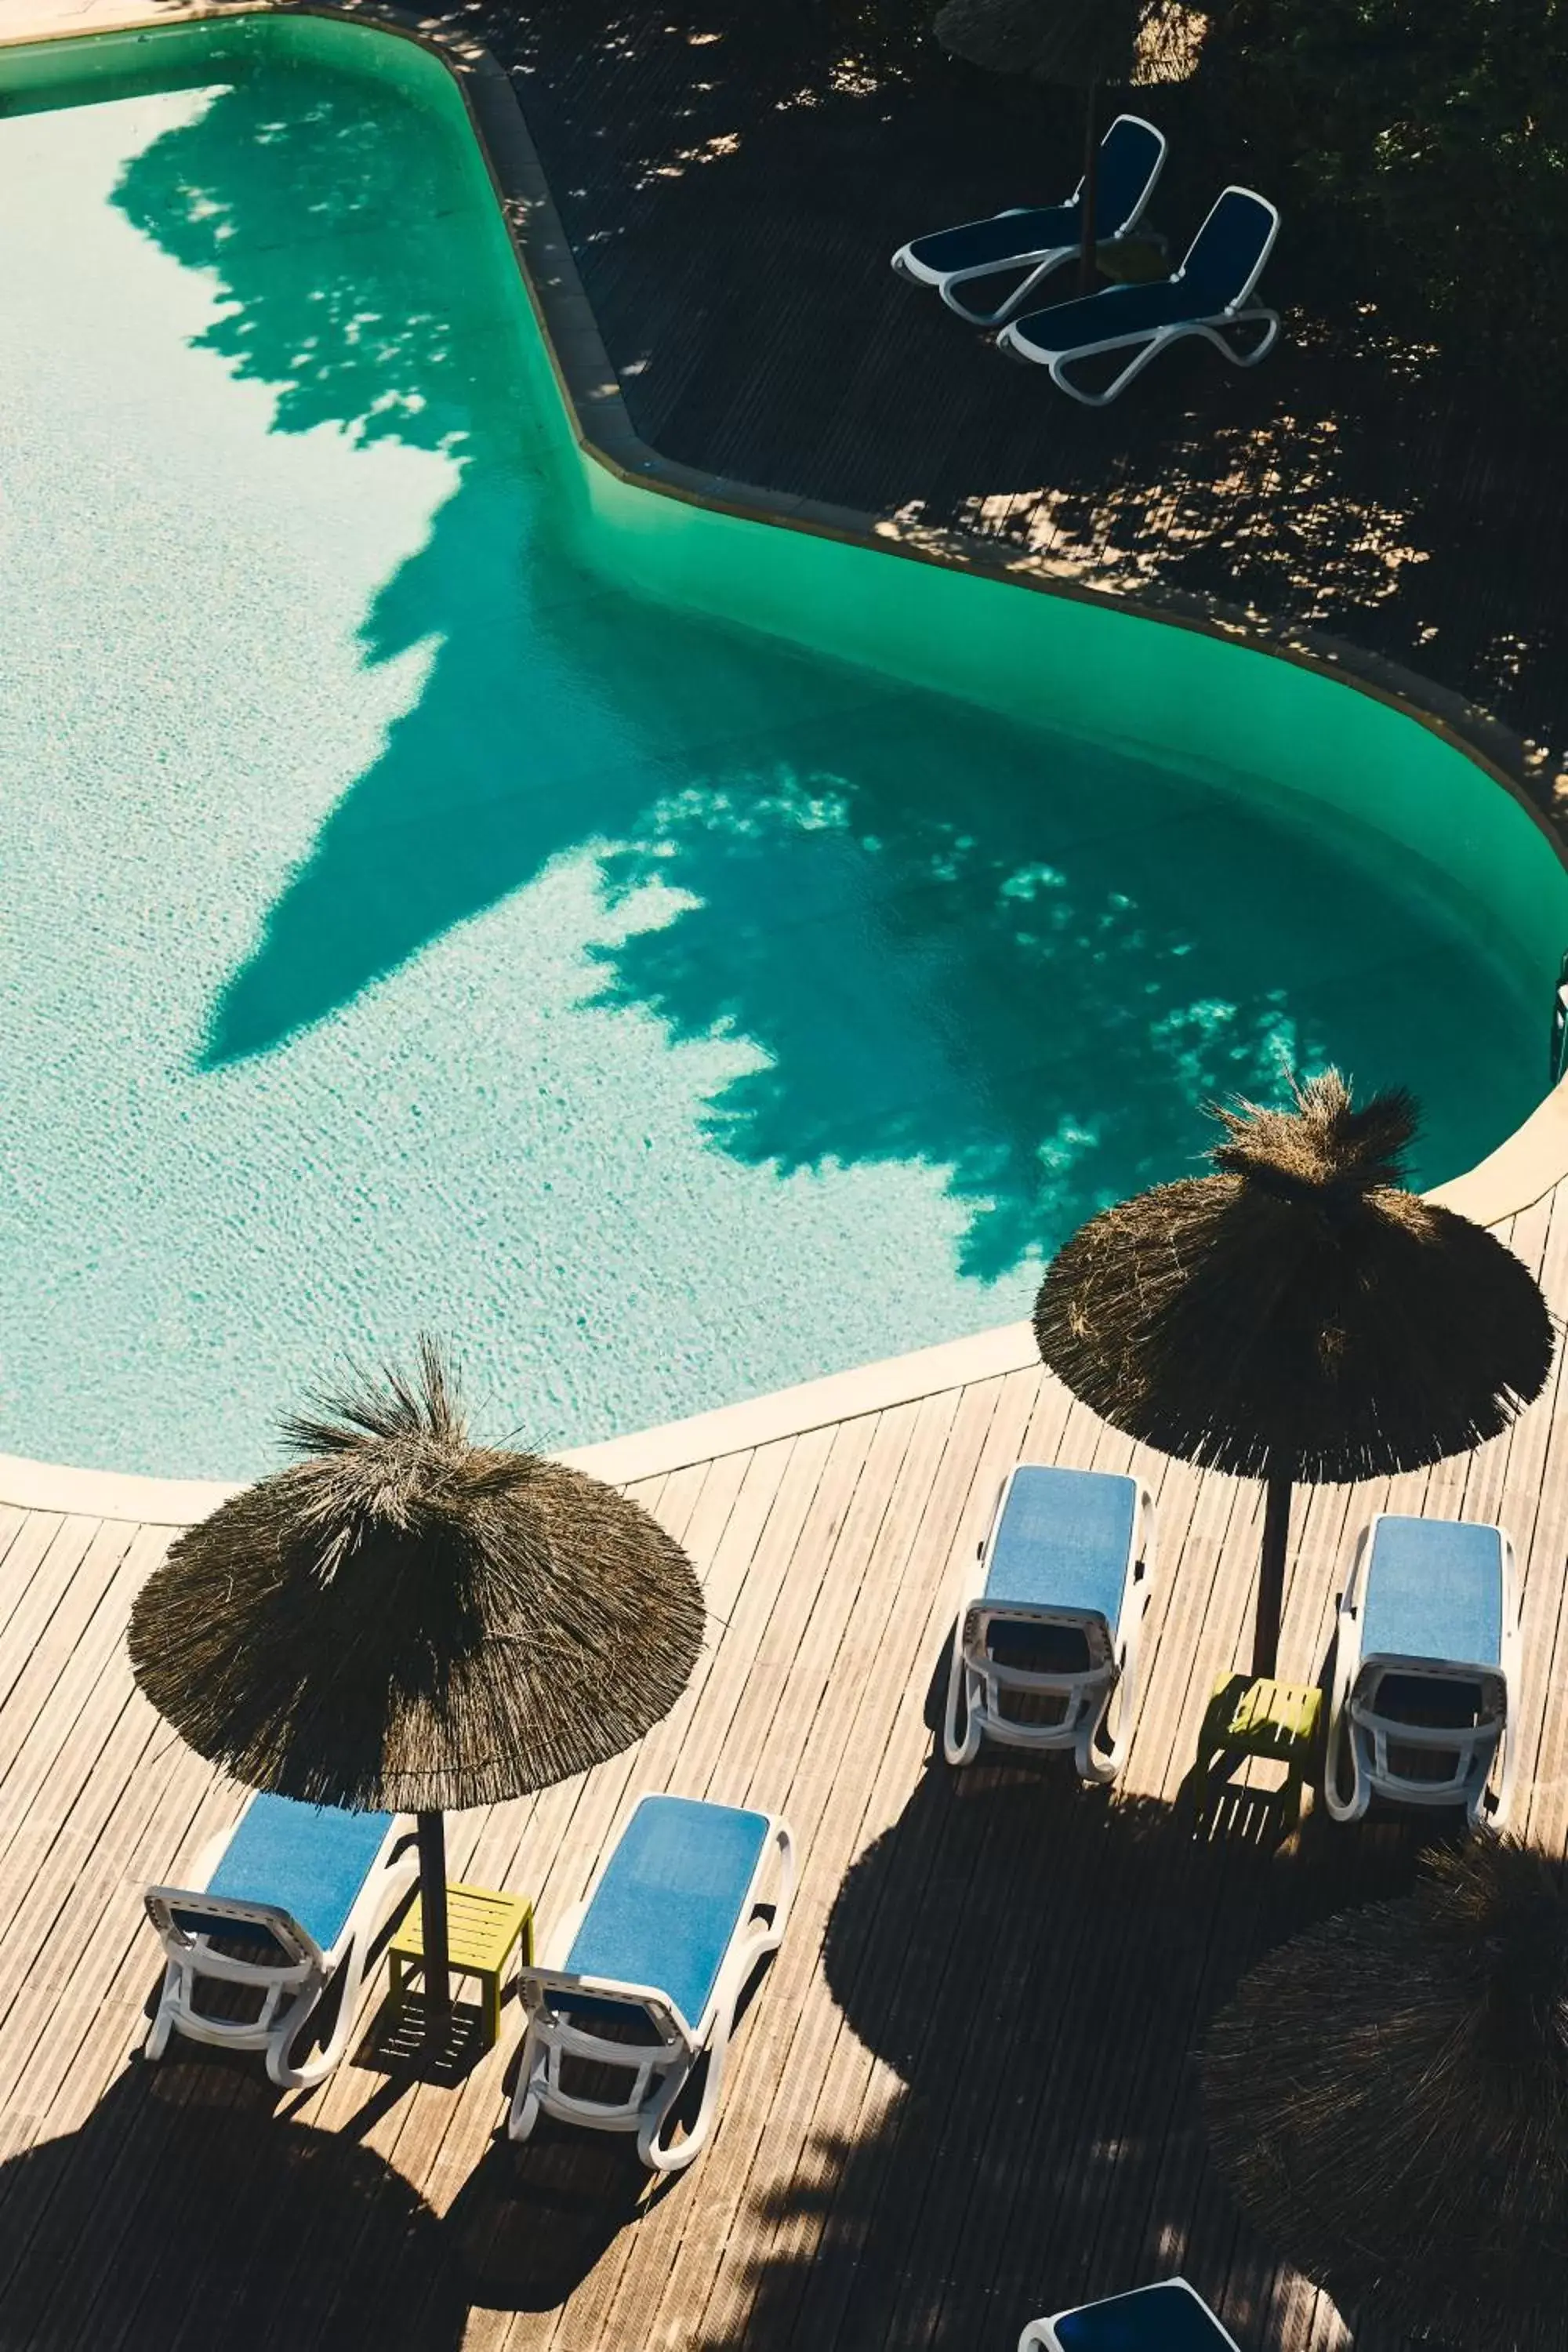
[1037,240]
[287,1904]
[1170,2317]
[1426,1669]
[1054,1617]
[1208,296]
[649,1972]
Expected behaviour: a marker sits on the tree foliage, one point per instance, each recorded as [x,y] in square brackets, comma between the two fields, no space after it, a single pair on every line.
[1421,145]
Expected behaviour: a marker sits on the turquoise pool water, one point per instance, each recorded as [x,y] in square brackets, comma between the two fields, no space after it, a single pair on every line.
[403,925]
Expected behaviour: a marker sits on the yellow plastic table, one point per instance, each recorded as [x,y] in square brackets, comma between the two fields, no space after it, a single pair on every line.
[483,1929]
[1251,1716]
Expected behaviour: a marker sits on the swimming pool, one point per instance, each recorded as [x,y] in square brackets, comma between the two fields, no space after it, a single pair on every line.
[421,910]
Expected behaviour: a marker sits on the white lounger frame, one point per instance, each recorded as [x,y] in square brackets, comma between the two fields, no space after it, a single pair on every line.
[292,1988]
[1216,327]
[1040,2335]
[1040,262]
[660,2069]
[975,1682]
[1485,1757]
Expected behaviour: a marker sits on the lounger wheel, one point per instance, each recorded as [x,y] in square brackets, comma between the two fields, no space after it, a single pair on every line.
[1340,1748]
[651,2152]
[162,2025]
[1102,1764]
[1494,1802]
[347,1981]
[960,1694]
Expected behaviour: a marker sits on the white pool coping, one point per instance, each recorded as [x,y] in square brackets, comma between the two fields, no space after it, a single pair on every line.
[1513,1178]
[642,1453]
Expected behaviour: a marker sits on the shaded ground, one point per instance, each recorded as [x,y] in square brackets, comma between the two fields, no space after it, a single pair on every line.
[734,179]
[1096,1940]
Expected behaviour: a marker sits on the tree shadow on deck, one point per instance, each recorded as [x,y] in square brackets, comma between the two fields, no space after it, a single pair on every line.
[1036,1965]
[189,2210]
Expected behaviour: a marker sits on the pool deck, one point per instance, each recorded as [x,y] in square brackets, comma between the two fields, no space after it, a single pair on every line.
[964,2091]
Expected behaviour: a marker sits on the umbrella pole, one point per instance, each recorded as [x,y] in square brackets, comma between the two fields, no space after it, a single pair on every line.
[1088,238]
[433,1922]
[1271,1569]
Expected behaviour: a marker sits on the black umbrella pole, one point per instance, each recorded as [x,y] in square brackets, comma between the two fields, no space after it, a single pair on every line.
[433,1921]
[1271,1571]
[1089,201]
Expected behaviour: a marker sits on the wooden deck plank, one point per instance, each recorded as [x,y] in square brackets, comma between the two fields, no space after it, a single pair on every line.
[806,2027]
[728,1734]
[858,2094]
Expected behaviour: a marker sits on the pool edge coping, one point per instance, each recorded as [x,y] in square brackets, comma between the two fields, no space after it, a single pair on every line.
[651,1452]
[1523,1168]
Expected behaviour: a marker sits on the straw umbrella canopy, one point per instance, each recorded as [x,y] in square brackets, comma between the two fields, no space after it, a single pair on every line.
[1299,1314]
[1079,44]
[405,1621]
[1388,2097]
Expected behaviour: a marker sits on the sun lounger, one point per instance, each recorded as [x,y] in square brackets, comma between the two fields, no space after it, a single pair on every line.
[1037,240]
[1208,296]
[288,1905]
[1170,2317]
[1053,1619]
[649,1973]
[1425,1671]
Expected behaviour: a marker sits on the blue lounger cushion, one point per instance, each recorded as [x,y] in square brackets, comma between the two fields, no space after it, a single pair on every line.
[1168,2318]
[1064,1541]
[1221,264]
[310,1860]
[1115,311]
[1007,237]
[670,1899]
[1129,155]
[1432,1589]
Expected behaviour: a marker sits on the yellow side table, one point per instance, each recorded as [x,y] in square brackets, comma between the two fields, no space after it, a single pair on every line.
[483,1929]
[1256,1716]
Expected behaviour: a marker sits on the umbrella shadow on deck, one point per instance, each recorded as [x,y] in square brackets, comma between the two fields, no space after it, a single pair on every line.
[1036,1964]
[190,2208]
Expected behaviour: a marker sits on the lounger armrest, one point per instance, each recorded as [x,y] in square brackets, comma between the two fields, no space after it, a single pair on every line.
[537,1983]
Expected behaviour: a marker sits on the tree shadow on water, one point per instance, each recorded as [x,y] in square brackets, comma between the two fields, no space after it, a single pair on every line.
[355,277]
[931,937]
[1036,1963]
[189,2210]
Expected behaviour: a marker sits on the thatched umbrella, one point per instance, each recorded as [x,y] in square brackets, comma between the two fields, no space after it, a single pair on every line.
[404,1621]
[1299,1315]
[1079,44]
[1388,2096]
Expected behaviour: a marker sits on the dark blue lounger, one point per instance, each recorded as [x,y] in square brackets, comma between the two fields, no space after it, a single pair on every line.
[1037,240]
[1208,296]
[1170,2317]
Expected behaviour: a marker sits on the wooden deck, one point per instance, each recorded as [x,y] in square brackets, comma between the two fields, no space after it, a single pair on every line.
[963,2094]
